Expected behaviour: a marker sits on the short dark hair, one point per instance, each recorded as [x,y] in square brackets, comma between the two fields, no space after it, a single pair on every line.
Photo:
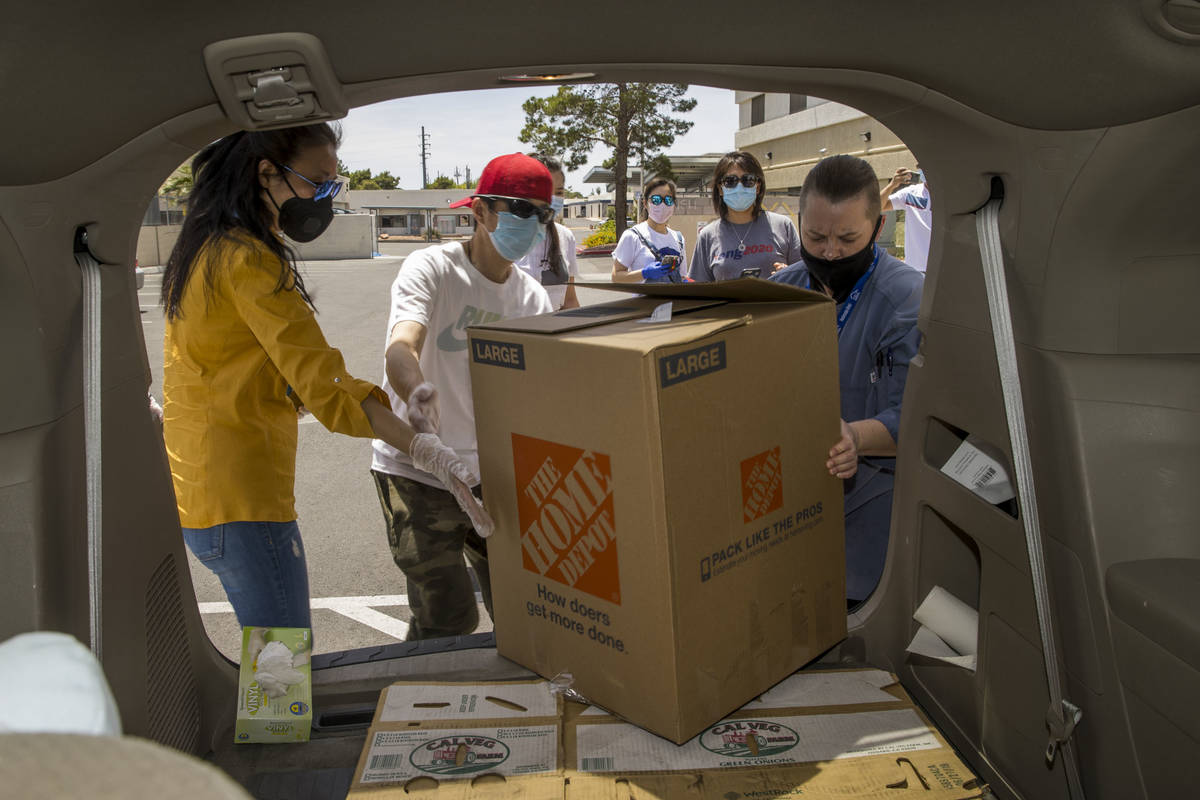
[750,166]
[838,178]
[655,183]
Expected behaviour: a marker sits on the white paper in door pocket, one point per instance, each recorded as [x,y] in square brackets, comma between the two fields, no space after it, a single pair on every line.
[949,629]
[980,472]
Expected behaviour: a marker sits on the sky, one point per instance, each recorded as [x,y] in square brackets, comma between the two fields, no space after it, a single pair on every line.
[471,128]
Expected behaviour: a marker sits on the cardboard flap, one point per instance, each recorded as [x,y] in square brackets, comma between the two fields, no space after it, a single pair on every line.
[693,330]
[746,290]
[598,314]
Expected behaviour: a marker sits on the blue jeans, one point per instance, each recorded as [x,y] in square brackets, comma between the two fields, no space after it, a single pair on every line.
[262,567]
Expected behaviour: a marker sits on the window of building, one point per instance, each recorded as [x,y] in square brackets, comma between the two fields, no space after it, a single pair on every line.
[798,102]
[758,109]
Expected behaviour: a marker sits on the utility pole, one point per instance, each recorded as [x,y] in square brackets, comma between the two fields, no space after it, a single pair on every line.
[424,156]
[468,176]
[457,175]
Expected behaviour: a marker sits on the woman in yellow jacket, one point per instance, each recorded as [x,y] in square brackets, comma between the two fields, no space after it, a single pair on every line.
[243,351]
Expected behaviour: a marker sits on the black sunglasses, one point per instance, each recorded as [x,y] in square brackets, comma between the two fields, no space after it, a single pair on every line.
[730,181]
[523,208]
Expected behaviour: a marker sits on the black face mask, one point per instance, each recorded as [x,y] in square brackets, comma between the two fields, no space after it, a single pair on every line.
[840,274]
[303,219]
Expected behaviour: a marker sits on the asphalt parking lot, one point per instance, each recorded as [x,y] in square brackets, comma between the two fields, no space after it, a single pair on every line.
[358,594]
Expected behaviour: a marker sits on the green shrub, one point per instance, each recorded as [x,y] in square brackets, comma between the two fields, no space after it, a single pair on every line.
[605,234]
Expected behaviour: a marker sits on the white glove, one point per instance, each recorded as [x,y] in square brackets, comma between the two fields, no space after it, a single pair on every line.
[274,671]
[430,454]
[423,413]
[156,411]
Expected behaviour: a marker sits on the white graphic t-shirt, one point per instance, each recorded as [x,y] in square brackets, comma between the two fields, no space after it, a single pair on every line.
[632,251]
[537,265]
[439,288]
[918,223]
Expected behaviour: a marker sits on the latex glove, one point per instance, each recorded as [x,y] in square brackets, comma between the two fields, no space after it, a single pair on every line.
[656,271]
[274,671]
[156,411]
[423,413]
[430,454]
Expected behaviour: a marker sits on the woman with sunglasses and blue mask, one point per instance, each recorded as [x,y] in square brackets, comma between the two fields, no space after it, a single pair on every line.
[243,352]
[746,241]
[650,252]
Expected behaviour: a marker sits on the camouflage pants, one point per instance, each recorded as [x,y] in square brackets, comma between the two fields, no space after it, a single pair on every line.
[429,535]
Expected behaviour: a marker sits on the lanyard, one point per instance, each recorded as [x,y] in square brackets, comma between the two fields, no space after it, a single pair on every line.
[855,294]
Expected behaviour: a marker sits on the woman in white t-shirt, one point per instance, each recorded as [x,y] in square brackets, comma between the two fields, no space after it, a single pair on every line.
[650,252]
[551,262]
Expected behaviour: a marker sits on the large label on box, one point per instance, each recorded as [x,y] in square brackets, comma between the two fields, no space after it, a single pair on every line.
[694,363]
[751,742]
[565,510]
[399,755]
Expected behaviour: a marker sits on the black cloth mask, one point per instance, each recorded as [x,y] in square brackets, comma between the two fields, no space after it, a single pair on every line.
[304,219]
[840,274]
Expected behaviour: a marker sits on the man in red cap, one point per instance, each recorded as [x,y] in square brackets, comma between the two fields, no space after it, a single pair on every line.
[440,291]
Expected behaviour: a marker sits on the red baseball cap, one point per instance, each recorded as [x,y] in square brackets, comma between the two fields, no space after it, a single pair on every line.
[513,175]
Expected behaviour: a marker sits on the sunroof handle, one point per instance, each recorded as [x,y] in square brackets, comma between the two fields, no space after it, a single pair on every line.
[274,80]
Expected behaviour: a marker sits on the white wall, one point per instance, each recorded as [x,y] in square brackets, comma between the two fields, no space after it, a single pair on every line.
[348,236]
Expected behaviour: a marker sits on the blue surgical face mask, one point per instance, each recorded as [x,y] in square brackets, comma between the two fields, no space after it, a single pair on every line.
[514,236]
[739,198]
[556,203]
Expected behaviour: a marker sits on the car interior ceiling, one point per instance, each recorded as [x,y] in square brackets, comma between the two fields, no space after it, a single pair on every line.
[1087,117]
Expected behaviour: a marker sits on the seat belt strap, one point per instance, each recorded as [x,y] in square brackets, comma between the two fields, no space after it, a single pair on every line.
[1062,716]
[92,314]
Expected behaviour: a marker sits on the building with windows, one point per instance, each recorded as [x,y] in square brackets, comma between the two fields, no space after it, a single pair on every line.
[788,133]
[410,212]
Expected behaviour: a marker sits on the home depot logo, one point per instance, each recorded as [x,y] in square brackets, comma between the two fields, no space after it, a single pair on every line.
[565,509]
[762,485]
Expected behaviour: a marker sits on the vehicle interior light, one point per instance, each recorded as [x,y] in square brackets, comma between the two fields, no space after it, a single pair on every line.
[547,77]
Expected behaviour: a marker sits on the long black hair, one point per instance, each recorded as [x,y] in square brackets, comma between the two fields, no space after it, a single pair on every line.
[226,203]
[553,259]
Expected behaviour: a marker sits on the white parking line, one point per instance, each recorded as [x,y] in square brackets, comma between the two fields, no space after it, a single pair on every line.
[375,619]
[360,609]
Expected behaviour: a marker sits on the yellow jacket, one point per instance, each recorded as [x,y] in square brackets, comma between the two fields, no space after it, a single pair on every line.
[229,358]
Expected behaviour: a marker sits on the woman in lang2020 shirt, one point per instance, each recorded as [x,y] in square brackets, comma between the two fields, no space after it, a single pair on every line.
[745,240]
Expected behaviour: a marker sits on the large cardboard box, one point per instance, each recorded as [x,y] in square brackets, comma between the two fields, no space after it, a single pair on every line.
[667,532]
[828,733]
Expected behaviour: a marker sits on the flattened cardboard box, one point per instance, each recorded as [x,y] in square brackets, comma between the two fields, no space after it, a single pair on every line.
[835,734]
[499,739]
[667,532]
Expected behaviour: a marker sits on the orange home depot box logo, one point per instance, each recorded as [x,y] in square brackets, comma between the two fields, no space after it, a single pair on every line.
[762,485]
[565,509]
